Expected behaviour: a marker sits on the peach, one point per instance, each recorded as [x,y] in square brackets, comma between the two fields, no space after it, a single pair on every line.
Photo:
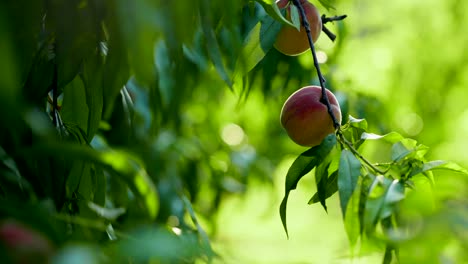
[282,3]
[24,245]
[305,118]
[293,42]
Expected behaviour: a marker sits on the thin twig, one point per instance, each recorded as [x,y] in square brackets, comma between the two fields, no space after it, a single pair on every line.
[329,34]
[326,19]
[356,153]
[324,99]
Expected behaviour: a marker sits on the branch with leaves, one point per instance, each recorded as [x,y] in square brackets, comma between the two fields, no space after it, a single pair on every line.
[369,193]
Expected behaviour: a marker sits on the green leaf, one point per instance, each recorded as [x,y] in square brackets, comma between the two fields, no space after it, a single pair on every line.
[295,17]
[116,70]
[321,181]
[273,11]
[138,35]
[110,214]
[92,79]
[257,43]
[330,189]
[76,31]
[352,219]
[74,177]
[165,70]
[443,165]
[214,51]
[328,4]
[408,148]
[204,240]
[357,123]
[122,164]
[354,130]
[74,108]
[301,166]
[391,137]
[348,175]
[384,193]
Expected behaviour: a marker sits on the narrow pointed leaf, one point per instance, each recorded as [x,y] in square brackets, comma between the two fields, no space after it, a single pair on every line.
[257,43]
[321,181]
[352,219]
[383,196]
[331,188]
[348,175]
[273,10]
[214,50]
[443,165]
[328,4]
[295,17]
[301,166]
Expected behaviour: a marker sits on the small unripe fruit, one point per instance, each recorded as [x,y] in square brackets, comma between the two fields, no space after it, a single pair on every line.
[306,119]
[292,42]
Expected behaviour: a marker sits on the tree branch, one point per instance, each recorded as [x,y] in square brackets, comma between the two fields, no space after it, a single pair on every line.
[356,153]
[325,20]
[324,99]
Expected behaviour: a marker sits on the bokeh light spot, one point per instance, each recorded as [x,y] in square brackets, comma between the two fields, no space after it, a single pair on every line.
[321,57]
[412,124]
[232,134]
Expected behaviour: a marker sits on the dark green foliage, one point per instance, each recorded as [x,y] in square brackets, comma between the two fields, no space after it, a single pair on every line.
[99,127]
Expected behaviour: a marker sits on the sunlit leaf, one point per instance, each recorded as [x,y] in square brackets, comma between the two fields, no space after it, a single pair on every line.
[110,214]
[205,242]
[348,175]
[359,123]
[273,10]
[120,163]
[328,4]
[391,137]
[443,165]
[257,43]
[301,166]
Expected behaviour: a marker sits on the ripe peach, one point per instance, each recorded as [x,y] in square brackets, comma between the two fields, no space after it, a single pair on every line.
[282,3]
[292,42]
[305,118]
[24,244]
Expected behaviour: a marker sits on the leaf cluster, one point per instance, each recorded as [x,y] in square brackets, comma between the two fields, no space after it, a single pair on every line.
[370,194]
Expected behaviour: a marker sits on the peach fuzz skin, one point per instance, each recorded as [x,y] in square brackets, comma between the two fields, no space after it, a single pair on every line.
[306,119]
[292,42]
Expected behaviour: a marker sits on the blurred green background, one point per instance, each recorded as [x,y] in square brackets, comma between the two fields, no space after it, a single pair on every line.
[180,129]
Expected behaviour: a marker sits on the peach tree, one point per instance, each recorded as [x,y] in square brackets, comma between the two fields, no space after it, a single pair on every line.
[110,145]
